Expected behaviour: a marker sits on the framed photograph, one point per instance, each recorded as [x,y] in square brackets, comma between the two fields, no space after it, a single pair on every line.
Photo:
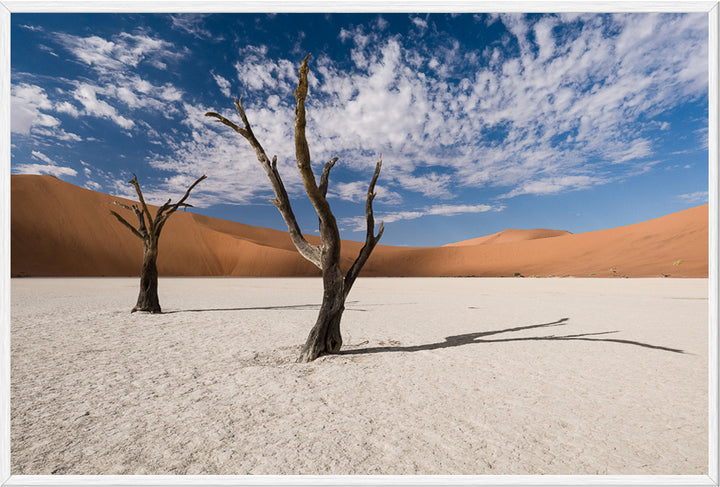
[340,243]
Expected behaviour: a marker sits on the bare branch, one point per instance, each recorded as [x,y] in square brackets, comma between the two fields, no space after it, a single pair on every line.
[243,117]
[369,200]
[282,201]
[227,122]
[370,239]
[302,151]
[187,193]
[162,218]
[325,175]
[124,222]
[328,225]
[121,204]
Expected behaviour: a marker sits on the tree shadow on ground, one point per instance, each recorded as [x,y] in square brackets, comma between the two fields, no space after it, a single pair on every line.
[292,306]
[458,340]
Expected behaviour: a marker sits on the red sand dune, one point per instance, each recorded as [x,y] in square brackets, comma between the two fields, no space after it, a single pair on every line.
[59,229]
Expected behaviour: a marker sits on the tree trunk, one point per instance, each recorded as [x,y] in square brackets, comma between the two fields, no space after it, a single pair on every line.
[148,297]
[325,337]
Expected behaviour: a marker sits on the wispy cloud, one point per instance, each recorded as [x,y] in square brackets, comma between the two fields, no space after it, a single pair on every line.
[116,87]
[29,105]
[42,157]
[560,115]
[50,167]
[360,224]
[554,185]
[560,103]
[56,171]
[223,84]
[356,192]
[119,53]
[87,96]
[696,197]
[191,23]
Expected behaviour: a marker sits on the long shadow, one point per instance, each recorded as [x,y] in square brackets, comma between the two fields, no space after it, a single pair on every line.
[458,340]
[292,306]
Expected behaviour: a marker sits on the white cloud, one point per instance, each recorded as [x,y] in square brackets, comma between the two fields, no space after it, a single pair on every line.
[192,23]
[86,94]
[559,114]
[696,197]
[28,107]
[116,86]
[56,171]
[122,52]
[234,174]
[48,50]
[356,192]
[93,186]
[26,103]
[223,84]
[451,210]
[50,167]
[56,133]
[66,107]
[256,72]
[420,23]
[360,224]
[42,157]
[554,185]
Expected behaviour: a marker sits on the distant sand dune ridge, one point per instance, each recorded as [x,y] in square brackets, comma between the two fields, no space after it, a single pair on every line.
[59,229]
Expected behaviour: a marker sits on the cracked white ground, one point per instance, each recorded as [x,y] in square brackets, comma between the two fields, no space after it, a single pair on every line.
[437,376]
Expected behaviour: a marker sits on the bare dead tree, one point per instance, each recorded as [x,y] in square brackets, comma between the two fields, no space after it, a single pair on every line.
[325,337]
[149,232]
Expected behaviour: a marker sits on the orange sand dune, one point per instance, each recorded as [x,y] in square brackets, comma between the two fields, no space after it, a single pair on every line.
[511,235]
[59,229]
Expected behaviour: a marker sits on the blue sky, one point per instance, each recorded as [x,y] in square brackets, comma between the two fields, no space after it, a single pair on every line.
[484,121]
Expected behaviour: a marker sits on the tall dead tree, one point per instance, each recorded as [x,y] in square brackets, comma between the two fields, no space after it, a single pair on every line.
[325,337]
[149,232]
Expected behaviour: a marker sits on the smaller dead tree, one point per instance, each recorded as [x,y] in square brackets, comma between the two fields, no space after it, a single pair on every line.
[148,230]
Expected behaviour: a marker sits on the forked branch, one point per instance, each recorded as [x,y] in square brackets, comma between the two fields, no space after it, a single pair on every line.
[281,201]
[161,215]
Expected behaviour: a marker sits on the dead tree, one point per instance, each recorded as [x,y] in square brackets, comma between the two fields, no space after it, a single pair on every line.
[149,233]
[325,337]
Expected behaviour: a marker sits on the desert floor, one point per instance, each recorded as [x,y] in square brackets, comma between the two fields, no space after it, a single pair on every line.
[438,376]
